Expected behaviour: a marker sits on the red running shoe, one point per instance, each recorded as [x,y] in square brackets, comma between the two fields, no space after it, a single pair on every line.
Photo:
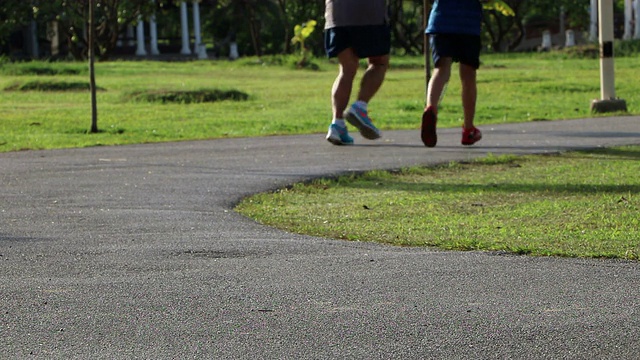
[471,136]
[428,129]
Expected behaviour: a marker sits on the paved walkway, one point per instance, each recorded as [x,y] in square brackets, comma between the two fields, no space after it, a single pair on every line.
[136,252]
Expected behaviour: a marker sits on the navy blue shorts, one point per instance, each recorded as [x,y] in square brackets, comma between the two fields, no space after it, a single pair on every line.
[462,48]
[366,41]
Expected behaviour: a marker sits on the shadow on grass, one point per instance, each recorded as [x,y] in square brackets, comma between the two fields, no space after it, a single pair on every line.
[108,130]
[40,70]
[52,86]
[627,153]
[546,189]
[631,153]
[186,97]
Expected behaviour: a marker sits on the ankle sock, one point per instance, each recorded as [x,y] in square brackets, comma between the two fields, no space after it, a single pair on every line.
[361,104]
[339,122]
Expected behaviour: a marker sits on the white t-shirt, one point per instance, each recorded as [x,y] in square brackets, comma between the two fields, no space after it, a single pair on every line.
[340,13]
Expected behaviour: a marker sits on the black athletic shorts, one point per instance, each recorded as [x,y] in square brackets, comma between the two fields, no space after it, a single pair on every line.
[462,48]
[366,41]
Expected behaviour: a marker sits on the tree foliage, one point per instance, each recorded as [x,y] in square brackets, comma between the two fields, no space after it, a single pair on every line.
[500,6]
[263,27]
[111,17]
[14,14]
[505,33]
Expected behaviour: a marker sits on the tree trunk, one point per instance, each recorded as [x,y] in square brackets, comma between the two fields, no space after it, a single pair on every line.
[282,5]
[254,29]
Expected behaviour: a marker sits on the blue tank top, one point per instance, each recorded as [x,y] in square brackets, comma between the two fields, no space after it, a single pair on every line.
[455,17]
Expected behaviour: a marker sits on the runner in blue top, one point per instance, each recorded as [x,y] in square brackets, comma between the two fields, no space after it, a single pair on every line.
[454,35]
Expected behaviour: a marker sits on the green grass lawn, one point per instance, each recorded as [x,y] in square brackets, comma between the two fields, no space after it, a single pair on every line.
[523,205]
[281,100]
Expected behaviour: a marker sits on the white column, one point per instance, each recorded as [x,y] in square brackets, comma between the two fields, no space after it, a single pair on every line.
[233,50]
[196,25]
[636,8]
[153,35]
[233,46]
[628,18]
[54,37]
[608,102]
[593,28]
[198,46]
[570,38]
[605,19]
[546,40]
[140,49]
[184,22]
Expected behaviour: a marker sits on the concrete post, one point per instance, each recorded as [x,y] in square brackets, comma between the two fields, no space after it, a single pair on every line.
[607,80]
[198,46]
[140,49]
[233,46]
[233,50]
[184,22]
[636,11]
[546,40]
[608,101]
[563,26]
[153,34]
[54,38]
[628,19]
[570,38]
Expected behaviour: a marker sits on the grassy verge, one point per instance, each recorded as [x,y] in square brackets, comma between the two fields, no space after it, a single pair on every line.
[513,204]
[277,99]
[520,205]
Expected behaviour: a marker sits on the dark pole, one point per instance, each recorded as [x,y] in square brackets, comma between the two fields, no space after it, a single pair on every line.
[92,73]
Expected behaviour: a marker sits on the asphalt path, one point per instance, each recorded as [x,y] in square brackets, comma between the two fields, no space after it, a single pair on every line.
[135,252]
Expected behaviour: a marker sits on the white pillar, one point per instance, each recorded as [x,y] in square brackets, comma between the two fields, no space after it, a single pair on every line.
[570,38]
[153,35]
[636,10]
[233,50]
[140,49]
[628,18]
[184,22]
[593,28]
[608,101]
[546,40]
[198,47]
[605,19]
[54,37]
